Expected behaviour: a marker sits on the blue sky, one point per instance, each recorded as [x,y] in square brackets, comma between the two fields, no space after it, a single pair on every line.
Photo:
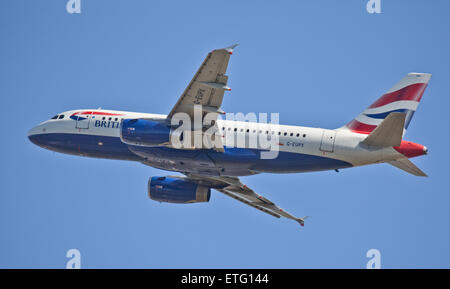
[317,63]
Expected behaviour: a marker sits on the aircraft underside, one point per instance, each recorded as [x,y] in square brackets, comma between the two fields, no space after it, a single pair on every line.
[231,162]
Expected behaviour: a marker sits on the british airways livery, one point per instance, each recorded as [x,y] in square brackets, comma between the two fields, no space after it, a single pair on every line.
[229,148]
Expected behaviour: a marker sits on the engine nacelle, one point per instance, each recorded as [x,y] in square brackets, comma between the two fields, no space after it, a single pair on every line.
[144,132]
[175,190]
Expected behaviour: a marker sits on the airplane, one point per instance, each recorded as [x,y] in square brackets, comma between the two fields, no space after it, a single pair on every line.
[374,136]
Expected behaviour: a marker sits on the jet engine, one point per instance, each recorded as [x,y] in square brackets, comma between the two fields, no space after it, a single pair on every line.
[144,132]
[177,190]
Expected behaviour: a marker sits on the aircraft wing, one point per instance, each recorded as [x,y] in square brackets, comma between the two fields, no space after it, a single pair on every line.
[208,85]
[234,188]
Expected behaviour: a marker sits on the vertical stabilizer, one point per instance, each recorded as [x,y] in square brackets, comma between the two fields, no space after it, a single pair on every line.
[403,97]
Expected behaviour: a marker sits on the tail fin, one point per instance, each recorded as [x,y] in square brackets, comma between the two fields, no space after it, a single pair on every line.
[403,97]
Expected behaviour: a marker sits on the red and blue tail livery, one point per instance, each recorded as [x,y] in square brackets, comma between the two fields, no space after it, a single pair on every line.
[404,97]
[234,148]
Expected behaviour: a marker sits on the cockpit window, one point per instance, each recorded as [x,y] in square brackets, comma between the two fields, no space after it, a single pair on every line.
[61,116]
[55,117]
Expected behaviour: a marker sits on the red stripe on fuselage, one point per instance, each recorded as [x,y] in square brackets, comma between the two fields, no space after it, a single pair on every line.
[96,113]
[412,92]
[100,113]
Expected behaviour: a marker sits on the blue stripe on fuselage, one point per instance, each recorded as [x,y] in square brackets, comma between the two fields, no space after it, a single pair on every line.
[86,145]
[114,148]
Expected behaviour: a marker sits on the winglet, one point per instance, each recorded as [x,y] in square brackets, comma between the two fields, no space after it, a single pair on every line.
[231,48]
[301,221]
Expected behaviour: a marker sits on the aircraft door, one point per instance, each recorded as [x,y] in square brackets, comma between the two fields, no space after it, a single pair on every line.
[83,120]
[328,138]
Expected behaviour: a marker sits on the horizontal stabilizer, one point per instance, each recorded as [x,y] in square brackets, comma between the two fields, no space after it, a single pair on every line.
[406,165]
[389,132]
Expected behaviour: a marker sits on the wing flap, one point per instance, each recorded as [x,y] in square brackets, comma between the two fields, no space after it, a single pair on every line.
[245,201]
[234,188]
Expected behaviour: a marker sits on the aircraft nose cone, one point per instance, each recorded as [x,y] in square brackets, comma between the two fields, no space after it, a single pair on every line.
[33,131]
[34,138]
[425,150]
[34,135]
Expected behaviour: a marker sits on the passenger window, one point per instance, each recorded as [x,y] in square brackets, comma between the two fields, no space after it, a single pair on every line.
[248,130]
[235,129]
[292,133]
[304,135]
[116,119]
[110,118]
[285,133]
[103,118]
[298,135]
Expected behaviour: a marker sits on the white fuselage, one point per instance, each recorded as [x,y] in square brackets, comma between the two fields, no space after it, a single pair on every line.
[315,145]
